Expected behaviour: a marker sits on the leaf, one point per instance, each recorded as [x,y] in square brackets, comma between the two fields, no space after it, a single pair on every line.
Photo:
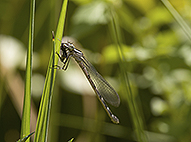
[25,126]
[71,140]
[25,138]
[45,105]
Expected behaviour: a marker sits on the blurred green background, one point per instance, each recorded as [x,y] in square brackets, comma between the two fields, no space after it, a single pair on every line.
[158,58]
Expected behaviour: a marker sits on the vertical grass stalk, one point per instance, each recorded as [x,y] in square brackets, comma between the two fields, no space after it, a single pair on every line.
[136,117]
[45,104]
[25,124]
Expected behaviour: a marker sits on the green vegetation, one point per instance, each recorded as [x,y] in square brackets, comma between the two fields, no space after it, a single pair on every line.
[142,48]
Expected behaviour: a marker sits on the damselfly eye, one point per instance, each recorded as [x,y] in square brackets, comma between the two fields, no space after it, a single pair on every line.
[62,47]
[63,53]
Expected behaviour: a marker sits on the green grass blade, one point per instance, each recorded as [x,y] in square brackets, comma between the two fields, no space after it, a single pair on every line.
[178,18]
[129,97]
[26,138]
[71,140]
[25,126]
[45,105]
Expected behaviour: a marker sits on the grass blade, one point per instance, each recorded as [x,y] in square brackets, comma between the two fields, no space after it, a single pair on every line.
[45,105]
[136,117]
[71,140]
[25,126]
[26,138]
[178,18]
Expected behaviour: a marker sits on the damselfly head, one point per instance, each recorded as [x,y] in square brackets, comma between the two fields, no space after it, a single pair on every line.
[67,46]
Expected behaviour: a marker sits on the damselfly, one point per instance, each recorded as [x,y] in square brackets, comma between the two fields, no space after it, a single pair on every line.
[101,87]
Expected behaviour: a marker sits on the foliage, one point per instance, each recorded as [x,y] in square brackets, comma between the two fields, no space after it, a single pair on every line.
[155,43]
